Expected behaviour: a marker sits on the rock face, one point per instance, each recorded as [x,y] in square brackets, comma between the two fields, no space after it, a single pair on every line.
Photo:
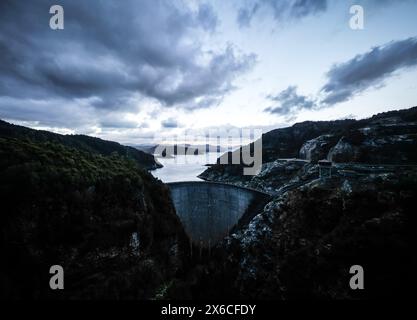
[108,223]
[343,151]
[273,176]
[287,142]
[305,241]
[393,143]
[318,148]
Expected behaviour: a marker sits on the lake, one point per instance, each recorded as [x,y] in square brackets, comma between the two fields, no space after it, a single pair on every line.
[184,167]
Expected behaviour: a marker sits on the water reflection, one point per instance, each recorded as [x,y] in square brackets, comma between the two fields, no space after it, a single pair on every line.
[184,167]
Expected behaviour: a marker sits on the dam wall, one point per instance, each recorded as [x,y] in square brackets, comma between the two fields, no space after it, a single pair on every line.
[208,210]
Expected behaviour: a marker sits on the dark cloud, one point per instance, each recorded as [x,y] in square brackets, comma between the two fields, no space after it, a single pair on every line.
[118,123]
[207,17]
[246,14]
[51,112]
[281,9]
[112,54]
[348,79]
[290,102]
[368,70]
[170,123]
[303,8]
[214,80]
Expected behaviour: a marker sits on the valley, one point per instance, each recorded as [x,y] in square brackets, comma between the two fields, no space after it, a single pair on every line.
[121,233]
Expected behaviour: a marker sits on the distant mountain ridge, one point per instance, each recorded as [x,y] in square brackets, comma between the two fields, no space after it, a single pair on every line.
[371,133]
[170,150]
[80,142]
[386,138]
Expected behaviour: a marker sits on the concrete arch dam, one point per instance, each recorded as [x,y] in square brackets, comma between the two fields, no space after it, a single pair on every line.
[210,210]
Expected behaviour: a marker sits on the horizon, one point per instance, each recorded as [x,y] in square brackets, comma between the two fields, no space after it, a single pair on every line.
[208,142]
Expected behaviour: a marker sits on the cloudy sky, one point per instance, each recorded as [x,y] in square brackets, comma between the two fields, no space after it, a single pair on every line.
[145,70]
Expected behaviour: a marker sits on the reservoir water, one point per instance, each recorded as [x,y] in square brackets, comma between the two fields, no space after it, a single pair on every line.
[184,167]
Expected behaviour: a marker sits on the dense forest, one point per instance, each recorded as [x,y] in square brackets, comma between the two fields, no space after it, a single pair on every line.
[79,142]
[105,219]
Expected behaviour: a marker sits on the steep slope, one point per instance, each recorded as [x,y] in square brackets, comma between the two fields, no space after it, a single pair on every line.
[304,242]
[387,138]
[109,224]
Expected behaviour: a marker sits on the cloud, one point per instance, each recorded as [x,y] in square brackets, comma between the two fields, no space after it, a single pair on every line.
[215,80]
[170,123]
[290,102]
[112,56]
[368,70]
[207,17]
[347,80]
[280,9]
[118,123]
[286,10]
[378,3]
[245,15]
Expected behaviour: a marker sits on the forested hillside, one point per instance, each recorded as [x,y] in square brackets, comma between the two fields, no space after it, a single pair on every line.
[81,142]
[107,222]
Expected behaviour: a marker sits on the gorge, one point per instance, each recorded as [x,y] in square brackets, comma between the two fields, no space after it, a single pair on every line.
[119,233]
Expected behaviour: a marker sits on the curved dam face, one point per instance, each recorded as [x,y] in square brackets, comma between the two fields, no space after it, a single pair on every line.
[210,210]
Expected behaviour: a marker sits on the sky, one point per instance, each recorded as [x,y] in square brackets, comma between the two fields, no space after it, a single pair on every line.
[145,71]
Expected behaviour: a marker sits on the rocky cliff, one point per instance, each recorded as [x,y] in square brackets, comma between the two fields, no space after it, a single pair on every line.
[387,138]
[304,242]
